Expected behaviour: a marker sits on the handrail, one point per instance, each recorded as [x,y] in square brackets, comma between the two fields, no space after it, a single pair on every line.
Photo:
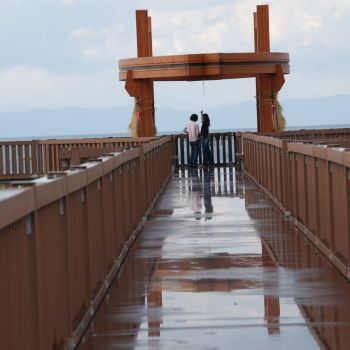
[63,238]
[19,159]
[311,184]
[43,156]
[28,159]
[305,134]
[60,184]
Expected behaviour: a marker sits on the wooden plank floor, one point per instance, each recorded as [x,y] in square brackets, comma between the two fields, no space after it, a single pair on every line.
[218,266]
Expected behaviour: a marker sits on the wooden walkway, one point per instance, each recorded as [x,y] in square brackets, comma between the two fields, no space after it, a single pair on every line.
[218,266]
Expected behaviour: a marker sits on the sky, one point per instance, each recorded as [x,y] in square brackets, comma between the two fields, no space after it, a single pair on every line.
[60,53]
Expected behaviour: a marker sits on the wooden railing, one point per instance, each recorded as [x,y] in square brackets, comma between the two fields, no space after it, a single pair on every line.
[19,159]
[292,253]
[311,184]
[309,135]
[63,238]
[28,159]
[222,145]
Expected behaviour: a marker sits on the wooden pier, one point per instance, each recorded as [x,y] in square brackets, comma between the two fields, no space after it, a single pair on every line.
[215,234]
[115,243]
[218,265]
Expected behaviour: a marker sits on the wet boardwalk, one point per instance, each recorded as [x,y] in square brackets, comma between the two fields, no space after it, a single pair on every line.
[217,266]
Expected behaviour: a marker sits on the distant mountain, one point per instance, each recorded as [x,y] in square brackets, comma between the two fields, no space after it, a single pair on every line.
[64,121]
[325,111]
[237,116]
[333,110]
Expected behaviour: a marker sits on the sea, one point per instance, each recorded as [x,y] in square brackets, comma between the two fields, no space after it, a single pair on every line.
[80,136]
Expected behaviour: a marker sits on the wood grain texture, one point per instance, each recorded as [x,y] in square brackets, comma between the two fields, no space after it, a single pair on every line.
[204,66]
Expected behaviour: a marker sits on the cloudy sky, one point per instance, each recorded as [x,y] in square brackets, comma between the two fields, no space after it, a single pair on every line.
[58,53]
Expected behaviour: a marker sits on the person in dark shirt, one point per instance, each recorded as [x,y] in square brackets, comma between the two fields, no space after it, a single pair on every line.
[207,155]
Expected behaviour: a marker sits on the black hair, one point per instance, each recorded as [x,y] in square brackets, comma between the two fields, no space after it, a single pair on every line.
[194,117]
[206,118]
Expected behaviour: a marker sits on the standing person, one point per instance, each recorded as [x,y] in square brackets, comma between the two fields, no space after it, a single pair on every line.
[192,129]
[207,155]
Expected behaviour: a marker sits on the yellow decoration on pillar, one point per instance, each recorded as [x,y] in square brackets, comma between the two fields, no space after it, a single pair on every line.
[278,119]
[135,123]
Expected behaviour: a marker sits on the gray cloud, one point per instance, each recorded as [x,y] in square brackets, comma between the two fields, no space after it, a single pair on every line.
[50,48]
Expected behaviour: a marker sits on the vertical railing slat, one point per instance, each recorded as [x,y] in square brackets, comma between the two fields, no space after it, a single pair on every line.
[34,151]
[1,160]
[14,160]
[230,160]
[188,151]
[182,152]
[7,160]
[224,136]
[217,138]
[27,159]
[20,159]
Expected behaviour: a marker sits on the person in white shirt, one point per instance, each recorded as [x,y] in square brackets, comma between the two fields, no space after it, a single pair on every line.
[192,129]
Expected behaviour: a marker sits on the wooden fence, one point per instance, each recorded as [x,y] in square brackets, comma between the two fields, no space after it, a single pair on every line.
[311,184]
[310,135]
[293,253]
[63,238]
[222,145]
[28,159]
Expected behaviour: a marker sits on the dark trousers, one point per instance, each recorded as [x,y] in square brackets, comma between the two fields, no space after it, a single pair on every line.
[194,152]
[207,155]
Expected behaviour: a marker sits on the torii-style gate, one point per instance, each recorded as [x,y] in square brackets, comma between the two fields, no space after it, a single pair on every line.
[267,67]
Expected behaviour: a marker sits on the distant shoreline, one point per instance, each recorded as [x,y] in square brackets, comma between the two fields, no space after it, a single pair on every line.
[81,136]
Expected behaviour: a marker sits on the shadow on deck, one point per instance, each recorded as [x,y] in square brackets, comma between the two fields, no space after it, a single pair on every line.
[218,266]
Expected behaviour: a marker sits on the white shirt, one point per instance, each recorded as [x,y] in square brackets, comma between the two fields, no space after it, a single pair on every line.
[192,129]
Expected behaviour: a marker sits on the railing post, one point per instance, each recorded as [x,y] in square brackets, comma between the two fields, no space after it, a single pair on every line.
[238,148]
[224,148]
[34,146]
[229,135]
[7,160]
[143,179]
[182,152]
[14,159]
[285,175]
[217,138]
[1,160]
[347,228]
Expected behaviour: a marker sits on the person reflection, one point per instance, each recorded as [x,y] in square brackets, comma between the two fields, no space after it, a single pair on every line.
[207,176]
[200,191]
[195,197]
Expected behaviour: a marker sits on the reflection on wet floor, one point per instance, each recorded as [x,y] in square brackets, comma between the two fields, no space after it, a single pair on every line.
[217,266]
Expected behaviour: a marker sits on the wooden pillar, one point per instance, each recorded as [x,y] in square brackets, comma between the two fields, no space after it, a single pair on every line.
[257,77]
[150,47]
[146,97]
[264,81]
[151,81]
